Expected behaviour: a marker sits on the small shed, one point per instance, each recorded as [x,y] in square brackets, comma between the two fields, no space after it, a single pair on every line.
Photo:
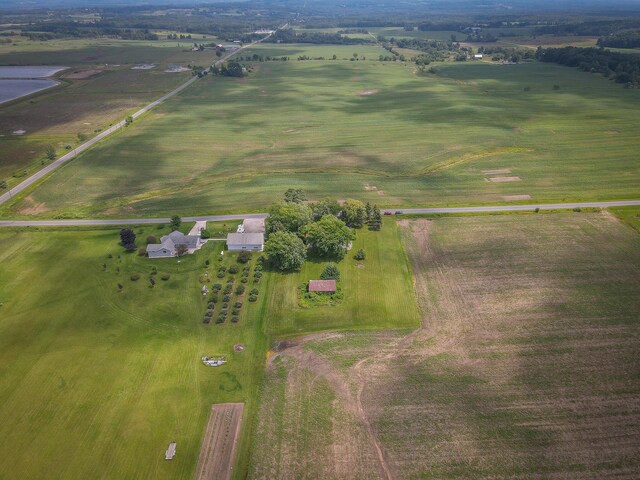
[323,286]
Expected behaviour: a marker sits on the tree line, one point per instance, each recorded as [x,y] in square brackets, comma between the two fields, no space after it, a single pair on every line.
[324,229]
[289,35]
[621,40]
[621,67]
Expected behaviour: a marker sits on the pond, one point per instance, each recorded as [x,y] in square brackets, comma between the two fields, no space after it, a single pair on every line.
[16,82]
[29,71]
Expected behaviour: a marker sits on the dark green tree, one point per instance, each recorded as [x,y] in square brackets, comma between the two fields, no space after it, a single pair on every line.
[175,223]
[289,217]
[294,195]
[330,272]
[128,239]
[375,219]
[285,251]
[328,237]
[354,213]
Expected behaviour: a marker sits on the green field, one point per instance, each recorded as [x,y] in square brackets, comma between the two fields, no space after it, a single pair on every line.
[235,145]
[95,381]
[56,116]
[377,291]
[526,366]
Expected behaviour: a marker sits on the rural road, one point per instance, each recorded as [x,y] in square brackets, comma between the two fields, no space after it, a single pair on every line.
[90,143]
[239,216]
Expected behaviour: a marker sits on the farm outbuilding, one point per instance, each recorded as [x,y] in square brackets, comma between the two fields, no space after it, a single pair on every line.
[245,241]
[323,286]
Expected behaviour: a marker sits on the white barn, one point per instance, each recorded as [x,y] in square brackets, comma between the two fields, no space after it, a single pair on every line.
[245,241]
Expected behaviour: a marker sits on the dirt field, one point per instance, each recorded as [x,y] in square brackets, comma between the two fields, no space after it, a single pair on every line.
[217,456]
[526,365]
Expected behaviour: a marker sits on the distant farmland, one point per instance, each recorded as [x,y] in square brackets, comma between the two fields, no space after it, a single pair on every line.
[372,130]
[526,366]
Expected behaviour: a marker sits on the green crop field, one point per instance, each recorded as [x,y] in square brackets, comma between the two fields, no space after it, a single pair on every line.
[526,366]
[375,131]
[56,116]
[377,291]
[95,381]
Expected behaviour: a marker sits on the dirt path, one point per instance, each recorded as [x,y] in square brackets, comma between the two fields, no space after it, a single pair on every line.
[322,368]
[217,455]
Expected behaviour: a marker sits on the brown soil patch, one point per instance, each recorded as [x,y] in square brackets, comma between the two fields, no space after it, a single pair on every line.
[497,172]
[360,265]
[380,192]
[82,74]
[504,179]
[31,207]
[370,187]
[217,455]
[613,132]
[367,93]
[511,198]
[238,347]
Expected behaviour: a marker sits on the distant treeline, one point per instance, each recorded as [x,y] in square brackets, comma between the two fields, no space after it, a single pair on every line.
[621,40]
[75,30]
[594,29]
[291,36]
[622,67]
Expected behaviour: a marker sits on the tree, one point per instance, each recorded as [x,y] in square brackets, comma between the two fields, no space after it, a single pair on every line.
[354,213]
[181,249]
[128,239]
[375,219]
[289,217]
[3,184]
[285,251]
[204,234]
[50,152]
[82,137]
[151,239]
[328,237]
[330,272]
[360,254]
[294,195]
[325,207]
[175,223]
[244,256]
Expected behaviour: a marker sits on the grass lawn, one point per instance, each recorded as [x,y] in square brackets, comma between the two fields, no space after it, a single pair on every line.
[338,128]
[377,291]
[56,116]
[526,365]
[93,379]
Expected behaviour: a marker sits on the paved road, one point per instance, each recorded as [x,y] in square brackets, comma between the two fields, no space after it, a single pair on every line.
[222,218]
[73,153]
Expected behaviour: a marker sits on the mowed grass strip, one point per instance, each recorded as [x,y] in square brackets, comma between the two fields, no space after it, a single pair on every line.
[94,379]
[377,291]
[235,144]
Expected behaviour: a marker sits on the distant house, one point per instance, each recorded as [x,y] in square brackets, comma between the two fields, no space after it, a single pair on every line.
[168,246]
[245,241]
[323,286]
[478,56]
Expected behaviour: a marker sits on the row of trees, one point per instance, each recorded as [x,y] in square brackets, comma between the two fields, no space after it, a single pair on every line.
[621,40]
[325,228]
[289,35]
[623,68]
[229,69]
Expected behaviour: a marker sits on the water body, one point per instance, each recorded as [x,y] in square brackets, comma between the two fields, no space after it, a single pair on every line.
[10,88]
[16,82]
[29,72]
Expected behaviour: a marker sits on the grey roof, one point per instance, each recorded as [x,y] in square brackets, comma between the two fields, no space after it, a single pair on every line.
[156,247]
[253,225]
[179,238]
[245,238]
